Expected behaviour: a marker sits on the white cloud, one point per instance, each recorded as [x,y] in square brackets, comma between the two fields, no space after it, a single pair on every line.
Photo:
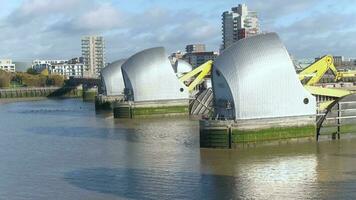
[52,28]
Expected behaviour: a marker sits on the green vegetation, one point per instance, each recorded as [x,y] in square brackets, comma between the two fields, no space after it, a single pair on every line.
[141,112]
[282,133]
[5,78]
[219,137]
[31,71]
[89,95]
[22,79]
[348,129]
[39,80]
[159,110]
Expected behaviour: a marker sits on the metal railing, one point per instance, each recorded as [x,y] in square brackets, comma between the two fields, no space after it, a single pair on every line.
[340,114]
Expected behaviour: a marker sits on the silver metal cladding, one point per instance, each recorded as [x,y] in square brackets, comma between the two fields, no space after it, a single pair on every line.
[255,78]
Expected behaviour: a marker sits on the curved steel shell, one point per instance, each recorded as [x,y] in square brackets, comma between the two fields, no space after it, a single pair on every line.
[255,78]
[149,75]
[182,67]
[112,78]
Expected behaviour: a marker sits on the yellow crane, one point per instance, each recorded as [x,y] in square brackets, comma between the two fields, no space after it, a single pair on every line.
[312,74]
[198,73]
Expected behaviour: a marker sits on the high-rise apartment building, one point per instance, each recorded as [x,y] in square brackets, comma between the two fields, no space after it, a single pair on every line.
[93,52]
[198,58]
[193,48]
[239,23]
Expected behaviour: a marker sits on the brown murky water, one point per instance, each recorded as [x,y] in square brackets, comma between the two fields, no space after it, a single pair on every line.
[61,149]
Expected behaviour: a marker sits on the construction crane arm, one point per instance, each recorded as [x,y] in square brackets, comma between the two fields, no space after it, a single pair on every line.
[349,74]
[317,70]
[200,72]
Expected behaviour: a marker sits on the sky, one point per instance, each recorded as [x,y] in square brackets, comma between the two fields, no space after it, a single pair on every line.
[52,29]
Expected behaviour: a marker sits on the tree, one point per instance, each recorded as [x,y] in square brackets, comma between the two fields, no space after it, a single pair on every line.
[32,71]
[5,79]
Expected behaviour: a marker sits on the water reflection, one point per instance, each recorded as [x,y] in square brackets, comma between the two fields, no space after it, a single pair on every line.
[88,132]
[273,178]
[153,184]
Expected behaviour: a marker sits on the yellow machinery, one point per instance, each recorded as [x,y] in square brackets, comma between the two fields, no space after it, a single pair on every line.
[310,76]
[199,73]
[316,71]
[313,73]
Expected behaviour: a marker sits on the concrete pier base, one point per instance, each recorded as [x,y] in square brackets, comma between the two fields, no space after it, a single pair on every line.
[233,134]
[151,109]
[89,94]
[107,102]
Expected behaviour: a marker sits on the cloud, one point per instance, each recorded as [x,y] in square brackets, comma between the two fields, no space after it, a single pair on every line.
[52,29]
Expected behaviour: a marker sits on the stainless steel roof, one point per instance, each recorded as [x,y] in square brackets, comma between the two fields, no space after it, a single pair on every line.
[112,78]
[255,78]
[149,76]
[182,66]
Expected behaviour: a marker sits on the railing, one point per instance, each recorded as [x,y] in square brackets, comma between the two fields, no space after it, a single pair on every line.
[340,114]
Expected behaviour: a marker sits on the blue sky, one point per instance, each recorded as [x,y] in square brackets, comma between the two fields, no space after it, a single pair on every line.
[49,29]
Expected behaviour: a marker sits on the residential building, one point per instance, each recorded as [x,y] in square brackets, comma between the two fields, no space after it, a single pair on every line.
[93,52]
[198,58]
[192,48]
[7,65]
[40,65]
[338,60]
[239,23]
[69,68]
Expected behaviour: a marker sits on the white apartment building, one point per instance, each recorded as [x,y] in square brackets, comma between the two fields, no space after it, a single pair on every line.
[40,65]
[239,23]
[93,52]
[68,70]
[7,65]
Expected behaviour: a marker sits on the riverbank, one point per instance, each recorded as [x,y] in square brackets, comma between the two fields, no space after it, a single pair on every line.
[29,92]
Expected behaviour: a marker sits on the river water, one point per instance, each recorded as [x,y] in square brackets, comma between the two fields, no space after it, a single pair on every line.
[62,149]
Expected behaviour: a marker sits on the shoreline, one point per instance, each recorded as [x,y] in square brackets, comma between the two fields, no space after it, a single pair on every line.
[13,100]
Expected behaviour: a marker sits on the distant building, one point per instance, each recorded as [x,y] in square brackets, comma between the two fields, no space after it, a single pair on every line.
[237,24]
[93,52]
[198,58]
[40,65]
[193,48]
[76,60]
[69,68]
[338,60]
[177,55]
[7,65]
